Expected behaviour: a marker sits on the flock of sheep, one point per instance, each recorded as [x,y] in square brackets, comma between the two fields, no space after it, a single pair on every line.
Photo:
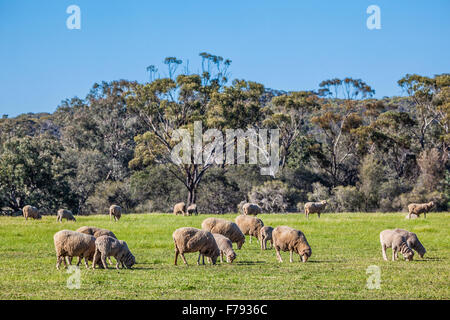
[214,240]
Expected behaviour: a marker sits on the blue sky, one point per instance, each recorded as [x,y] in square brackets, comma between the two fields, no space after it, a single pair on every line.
[287,45]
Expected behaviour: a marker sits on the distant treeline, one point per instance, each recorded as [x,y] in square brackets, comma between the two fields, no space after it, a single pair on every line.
[337,144]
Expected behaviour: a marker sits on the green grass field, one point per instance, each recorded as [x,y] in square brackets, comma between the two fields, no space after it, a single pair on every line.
[343,247]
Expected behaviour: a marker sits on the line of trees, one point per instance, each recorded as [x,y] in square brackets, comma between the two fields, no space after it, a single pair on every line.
[336,143]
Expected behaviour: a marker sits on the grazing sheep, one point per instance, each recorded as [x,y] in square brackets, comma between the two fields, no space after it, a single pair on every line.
[418,208]
[249,225]
[288,239]
[115,211]
[412,241]
[394,240]
[192,209]
[315,207]
[64,214]
[251,209]
[192,240]
[106,246]
[180,207]
[31,212]
[226,228]
[265,234]
[96,232]
[73,244]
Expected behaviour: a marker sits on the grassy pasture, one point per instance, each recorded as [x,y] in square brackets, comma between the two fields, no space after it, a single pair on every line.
[343,246]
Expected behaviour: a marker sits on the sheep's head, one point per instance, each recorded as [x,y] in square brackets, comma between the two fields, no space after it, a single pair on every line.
[305,253]
[431,204]
[231,256]
[39,217]
[240,243]
[129,260]
[324,202]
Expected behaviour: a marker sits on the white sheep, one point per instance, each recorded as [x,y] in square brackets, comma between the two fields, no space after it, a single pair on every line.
[419,208]
[265,234]
[315,207]
[226,228]
[180,207]
[115,211]
[288,239]
[64,214]
[251,209]
[412,241]
[106,246]
[189,239]
[31,212]
[394,240]
[73,244]
[225,246]
[249,225]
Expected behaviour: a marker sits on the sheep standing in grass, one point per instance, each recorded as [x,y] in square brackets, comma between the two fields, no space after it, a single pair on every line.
[106,246]
[315,207]
[97,232]
[394,240]
[180,207]
[192,240]
[249,225]
[225,246]
[412,241]
[226,228]
[265,234]
[73,244]
[31,212]
[192,209]
[64,214]
[419,208]
[288,239]
[115,211]
[251,209]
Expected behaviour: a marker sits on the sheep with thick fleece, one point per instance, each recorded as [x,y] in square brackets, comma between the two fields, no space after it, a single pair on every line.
[226,228]
[315,207]
[180,207]
[106,246]
[419,208]
[73,244]
[64,214]
[189,239]
[265,234]
[192,209]
[96,232]
[288,239]
[115,211]
[31,212]
[251,209]
[412,241]
[394,240]
[249,225]
[226,248]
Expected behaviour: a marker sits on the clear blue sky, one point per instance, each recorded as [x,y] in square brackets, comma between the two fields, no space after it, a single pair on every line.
[284,44]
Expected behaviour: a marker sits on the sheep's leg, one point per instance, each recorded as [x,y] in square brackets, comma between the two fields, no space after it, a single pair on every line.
[184,259]
[221,256]
[86,263]
[198,259]
[79,260]
[290,256]
[425,215]
[318,214]
[103,258]
[278,254]
[176,255]
[271,244]
[58,261]
[394,254]
[383,251]
[250,238]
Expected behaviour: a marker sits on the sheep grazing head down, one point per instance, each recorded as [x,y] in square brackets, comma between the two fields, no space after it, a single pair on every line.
[305,253]
[231,257]
[407,253]
[129,260]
